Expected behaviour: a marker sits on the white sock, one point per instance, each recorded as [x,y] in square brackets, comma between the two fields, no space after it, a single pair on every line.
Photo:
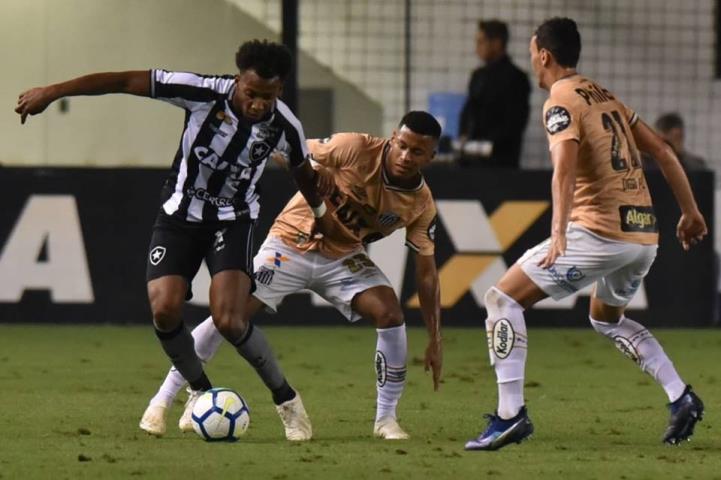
[390,363]
[207,340]
[508,348]
[637,343]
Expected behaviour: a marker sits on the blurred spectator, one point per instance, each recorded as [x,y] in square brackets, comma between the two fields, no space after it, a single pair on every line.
[671,128]
[496,110]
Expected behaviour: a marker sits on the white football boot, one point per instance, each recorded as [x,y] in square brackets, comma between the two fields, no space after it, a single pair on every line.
[185,424]
[295,420]
[388,429]
[153,420]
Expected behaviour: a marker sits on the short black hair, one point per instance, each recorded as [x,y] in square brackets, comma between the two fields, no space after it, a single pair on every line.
[422,123]
[494,29]
[667,121]
[266,58]
[560,37]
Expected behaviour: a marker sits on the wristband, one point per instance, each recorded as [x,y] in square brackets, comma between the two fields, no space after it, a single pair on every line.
[320,210]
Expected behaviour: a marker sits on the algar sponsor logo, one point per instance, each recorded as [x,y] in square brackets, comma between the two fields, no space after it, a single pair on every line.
[640,219]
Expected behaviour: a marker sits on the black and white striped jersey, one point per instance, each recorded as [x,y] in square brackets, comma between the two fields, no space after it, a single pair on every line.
[221,155]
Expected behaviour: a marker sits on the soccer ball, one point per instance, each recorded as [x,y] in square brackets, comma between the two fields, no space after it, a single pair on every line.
[220,414]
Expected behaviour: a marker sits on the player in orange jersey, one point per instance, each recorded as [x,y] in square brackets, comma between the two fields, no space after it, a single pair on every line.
[379,188]
[603,230]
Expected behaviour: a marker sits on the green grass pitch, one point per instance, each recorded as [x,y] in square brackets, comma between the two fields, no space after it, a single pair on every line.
[72,397]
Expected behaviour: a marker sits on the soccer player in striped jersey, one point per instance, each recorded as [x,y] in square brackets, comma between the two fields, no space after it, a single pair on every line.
[210,200]
[378,189]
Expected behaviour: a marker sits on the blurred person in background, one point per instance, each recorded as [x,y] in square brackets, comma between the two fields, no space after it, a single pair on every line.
[496,111]
[671,128]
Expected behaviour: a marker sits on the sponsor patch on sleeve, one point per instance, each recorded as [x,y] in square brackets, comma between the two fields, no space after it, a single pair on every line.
[638,219]
[432,229]
[557,119]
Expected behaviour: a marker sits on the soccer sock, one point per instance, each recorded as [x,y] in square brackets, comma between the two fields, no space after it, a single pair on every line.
[169,389]
[207,341]
[637,343]
[178,345]
[508,348]
[390,363]
[254,347]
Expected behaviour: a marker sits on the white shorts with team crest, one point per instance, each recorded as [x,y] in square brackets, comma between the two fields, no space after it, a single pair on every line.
[281,270]
[618,268]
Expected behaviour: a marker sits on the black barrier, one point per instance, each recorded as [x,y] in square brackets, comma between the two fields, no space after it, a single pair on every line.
[74,244]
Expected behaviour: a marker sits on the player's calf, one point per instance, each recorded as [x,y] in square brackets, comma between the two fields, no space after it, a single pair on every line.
[637,343]
[390,366]
[508,347]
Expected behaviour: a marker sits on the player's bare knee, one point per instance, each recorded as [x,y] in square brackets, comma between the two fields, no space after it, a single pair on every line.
[495,301]
[166,311]
[231,325]
[392,317]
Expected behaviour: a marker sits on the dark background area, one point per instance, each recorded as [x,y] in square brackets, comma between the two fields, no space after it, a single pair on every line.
[117,208]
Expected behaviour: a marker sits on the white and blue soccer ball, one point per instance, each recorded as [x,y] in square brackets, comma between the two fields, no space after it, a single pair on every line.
[220,414]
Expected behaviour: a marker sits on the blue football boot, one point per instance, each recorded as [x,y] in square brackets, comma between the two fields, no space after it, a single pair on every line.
[500,432]
[685,412]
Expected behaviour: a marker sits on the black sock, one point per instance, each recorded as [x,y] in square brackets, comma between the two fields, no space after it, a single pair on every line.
[254,347]
[283,393]
[202,384]
[180,348]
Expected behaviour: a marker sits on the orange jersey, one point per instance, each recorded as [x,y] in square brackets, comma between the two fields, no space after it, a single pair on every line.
[611,197]
[365,206]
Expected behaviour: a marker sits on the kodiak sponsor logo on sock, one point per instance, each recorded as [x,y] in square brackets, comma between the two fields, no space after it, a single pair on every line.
[503,338]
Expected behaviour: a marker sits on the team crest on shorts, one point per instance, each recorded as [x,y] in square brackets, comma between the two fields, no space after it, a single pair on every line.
[258,151]
[574,274]
[157,255]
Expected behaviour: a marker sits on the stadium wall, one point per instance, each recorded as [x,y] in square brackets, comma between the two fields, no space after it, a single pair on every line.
[47,41]
[73,246]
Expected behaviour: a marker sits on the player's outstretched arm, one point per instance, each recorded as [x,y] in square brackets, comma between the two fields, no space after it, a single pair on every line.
[429,294]
[691,226]
[36,100]
[565,158]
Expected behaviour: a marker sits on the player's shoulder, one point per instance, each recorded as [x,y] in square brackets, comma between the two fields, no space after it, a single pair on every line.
[283,112]
[425,196]
[564,93]
[353,140]
[218,82]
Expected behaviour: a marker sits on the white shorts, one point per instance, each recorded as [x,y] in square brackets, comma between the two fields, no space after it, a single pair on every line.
[281,270]
[617,267]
